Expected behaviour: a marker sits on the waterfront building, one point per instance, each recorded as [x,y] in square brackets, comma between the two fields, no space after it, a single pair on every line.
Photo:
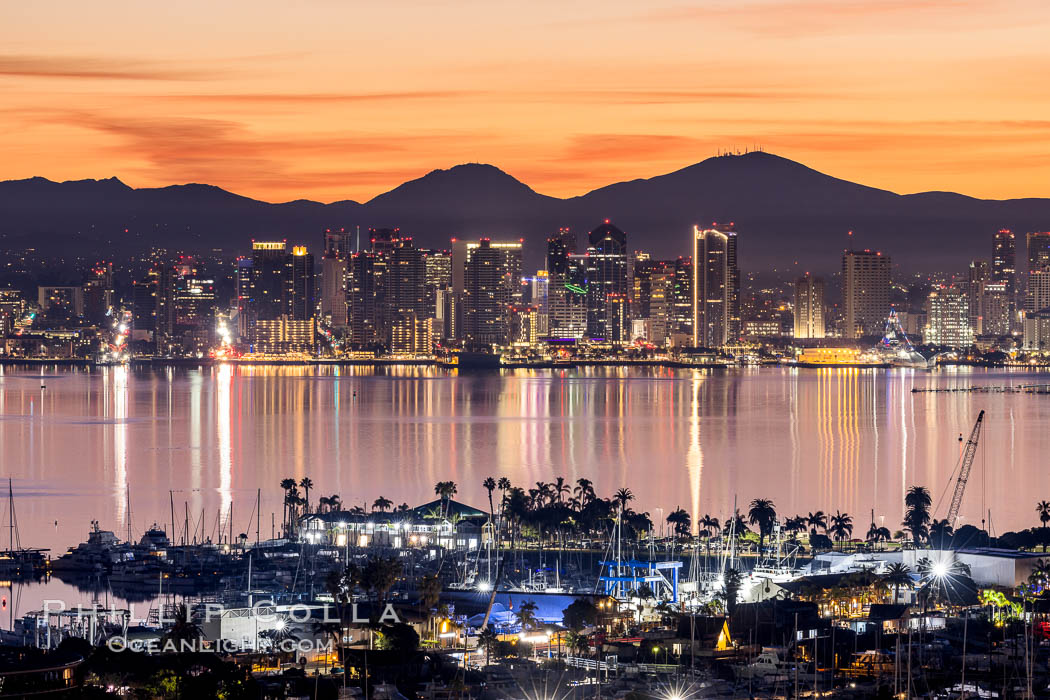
[523,324]
[1038,297]
[1004,258]
[98,291]
[712,285]
[411,335]
[606,267]
[679,314]
[948,318]
[144,306]
[809,307]
[437,275]
[284,335]
[865,291]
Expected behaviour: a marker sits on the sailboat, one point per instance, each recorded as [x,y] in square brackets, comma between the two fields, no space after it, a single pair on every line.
[17,561]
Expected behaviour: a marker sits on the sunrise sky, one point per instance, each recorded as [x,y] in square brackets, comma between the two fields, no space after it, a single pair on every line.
[333,99]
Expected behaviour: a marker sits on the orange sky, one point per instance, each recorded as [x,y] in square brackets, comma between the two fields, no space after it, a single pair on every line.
[344,99]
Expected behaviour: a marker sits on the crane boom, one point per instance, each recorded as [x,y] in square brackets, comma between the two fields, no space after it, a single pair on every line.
[964,469]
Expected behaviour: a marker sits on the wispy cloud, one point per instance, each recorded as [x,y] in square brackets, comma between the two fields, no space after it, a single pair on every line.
[95,68]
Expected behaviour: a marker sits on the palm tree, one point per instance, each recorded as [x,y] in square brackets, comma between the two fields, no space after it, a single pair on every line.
[763,514]
[489,641]
[429,591]
[560,488]
[324,504]
[683,526]
[897,575]
[489,484]
[382,504]
[917,504]
[584,491]
[709,525]
[307,485]
[815,520]
[287,484]
[1043,508]
[841,526]
[526,615]
[623,497]
[940,530]
[334,503]
[445,490]
[183,628]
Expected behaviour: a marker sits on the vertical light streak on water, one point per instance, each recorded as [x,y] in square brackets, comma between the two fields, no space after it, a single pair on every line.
[874,391]
[695,454]
[793,419]
[120,441]
[224,380]
[905,405]
[838,438]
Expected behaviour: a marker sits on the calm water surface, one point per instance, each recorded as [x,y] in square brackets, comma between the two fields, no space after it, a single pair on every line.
[835,439]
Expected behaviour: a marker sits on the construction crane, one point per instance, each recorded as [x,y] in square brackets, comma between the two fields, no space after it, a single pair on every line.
[964,469]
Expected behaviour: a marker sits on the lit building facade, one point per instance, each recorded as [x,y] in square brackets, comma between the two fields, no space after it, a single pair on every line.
[606,266]
[809,307]
[711,288]
[865,291]
[948,318]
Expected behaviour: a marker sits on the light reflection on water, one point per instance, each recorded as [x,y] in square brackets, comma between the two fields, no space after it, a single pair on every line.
[831,439]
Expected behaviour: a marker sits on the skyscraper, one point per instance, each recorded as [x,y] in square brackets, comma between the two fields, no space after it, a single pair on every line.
[607,290]
[333,277]
[300,304]
[566,287]
[712,284]
[1038,262]
[365,299]
[809,307]
[1004,257]
[486,298]
[979,276]
[865,292]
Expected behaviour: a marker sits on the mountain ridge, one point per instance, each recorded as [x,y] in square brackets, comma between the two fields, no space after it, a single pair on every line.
[783,209]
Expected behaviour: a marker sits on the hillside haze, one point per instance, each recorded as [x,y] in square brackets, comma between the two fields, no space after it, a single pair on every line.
[784,211]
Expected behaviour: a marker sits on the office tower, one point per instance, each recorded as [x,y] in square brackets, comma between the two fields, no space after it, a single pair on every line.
[300,303]
[437,276]
[410,335]
[365,299]
[1037,330]
[1038,261]
[607,289]
[680,311]
[486,296]
[406,279]
[566,288]
[560,246]
[269,283]
[144,306]
[243,284]
[948,317]
[338,242]
[193,306]
[979,276]
[12,306]
[865,292]
[382,239]
[809,307]
[712,282]
[734,277]
[333,289]
[996,309]
[1004,257]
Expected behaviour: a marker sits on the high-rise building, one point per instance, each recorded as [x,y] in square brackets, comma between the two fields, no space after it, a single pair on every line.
[680,299]
[566,308]
[996,307]
[1004,257]
[365,299]
[712,285]
[1038,261]
[406,279]
[486,296]
[438,276]
[1038,297]
[979,276]
[269,285]
[300,303]
[948,317]
[809,307]
[865,292]
[144,306]
[607,288]
[243,283]
[333,289]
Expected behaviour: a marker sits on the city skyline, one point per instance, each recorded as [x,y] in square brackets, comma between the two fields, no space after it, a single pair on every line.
[282,101]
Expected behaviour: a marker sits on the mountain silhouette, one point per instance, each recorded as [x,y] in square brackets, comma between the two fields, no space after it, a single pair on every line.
[785,213]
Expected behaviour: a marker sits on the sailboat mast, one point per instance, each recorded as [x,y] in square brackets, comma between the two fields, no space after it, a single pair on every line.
[10,516]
